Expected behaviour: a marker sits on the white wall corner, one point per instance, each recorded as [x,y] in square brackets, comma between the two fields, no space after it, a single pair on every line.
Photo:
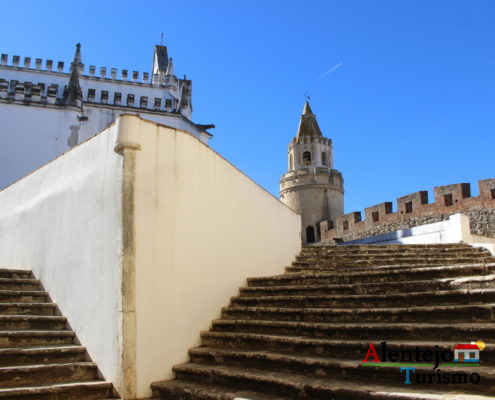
[458,230]
[129,132]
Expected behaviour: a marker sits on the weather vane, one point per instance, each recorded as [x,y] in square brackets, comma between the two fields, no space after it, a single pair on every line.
[161,40]
[306,94]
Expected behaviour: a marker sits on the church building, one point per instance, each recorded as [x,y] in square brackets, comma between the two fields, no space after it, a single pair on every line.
[47,110]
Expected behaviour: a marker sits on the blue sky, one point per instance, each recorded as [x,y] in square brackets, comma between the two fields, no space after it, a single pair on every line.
[410,107]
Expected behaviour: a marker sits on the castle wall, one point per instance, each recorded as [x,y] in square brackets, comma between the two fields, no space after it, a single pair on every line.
[414,210]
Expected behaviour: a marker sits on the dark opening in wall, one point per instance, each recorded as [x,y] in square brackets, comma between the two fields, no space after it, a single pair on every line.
[493,193]
[306,158]
[310,234]
[408,205]
[375,216]
[448,199]
[330,224]
[324,159]
[345,225]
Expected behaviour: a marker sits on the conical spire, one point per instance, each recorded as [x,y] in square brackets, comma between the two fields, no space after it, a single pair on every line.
[170,67]
[308,126]
[73,95]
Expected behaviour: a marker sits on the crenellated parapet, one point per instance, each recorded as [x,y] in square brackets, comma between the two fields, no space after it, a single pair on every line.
[110,74]
[411,210]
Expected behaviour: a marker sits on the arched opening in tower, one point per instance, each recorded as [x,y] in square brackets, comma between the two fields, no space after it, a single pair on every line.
[324,159]
[306,158]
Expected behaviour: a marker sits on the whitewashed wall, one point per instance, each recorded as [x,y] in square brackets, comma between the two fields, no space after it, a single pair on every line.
[199,228]
[64,222]
[202,228]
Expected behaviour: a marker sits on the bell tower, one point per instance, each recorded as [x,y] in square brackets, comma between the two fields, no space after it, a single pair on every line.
[312,187]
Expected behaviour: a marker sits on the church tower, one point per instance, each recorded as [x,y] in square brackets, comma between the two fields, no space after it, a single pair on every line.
[312,187]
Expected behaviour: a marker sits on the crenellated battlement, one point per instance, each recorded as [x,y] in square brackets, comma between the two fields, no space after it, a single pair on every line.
[103,73]
[411,208]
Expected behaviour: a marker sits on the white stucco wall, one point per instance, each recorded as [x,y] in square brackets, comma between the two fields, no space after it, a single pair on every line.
[202,227]
[64,222]
[454,230]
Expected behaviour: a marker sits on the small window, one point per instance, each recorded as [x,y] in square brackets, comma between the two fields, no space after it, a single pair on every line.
[408,207]
[448,199]
[493,193]
[472,354]
[310,234]
[330,224]
[291,163]
[306,158]
[324,159]
[375,216]
[168,103]
[345,225]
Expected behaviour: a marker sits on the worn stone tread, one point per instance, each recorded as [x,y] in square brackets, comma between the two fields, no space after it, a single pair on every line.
[353,277]
[69,391]
[312,365]
[205,391]
[304,387]
[455,296]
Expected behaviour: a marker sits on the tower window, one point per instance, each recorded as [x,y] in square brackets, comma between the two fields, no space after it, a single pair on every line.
[324,159]
[310,234]
[306,158]
[448,199]
[345,225]
[409,207]
[375,216]
[492,191]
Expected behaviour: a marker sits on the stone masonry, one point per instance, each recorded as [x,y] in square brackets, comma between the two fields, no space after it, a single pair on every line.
[414,210]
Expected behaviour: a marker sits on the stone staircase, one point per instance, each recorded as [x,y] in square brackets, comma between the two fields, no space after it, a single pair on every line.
[304,334]
[39,357]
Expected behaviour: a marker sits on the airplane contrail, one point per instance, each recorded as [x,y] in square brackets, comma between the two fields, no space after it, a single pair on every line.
[329,71]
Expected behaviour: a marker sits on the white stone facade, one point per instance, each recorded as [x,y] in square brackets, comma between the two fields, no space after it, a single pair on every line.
[312,187]
[45,110]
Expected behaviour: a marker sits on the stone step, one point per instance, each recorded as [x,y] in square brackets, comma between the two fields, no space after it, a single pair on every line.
[449,297]
[394,258]
[296,387]
[346,269]
[23,296]
[337,348]
[363,331]
[186,390]
[90,390]
[350,266]
[425,285]
[342,252]
[20,284]
[352,248]
[16,273]
[336,277]
[473,313]
[25,375]
[331,367]
[39,355]
[28,308]
[32,322]
[25,338]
